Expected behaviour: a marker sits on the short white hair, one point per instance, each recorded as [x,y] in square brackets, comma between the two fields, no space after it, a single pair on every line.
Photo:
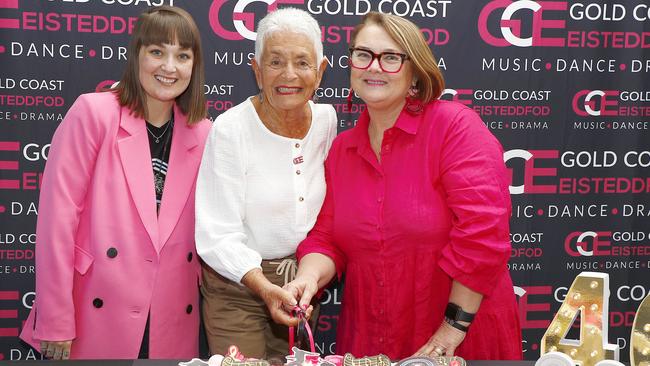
[289,20]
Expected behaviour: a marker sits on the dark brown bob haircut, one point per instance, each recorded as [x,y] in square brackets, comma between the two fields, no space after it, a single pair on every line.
[430,82]
[159,25]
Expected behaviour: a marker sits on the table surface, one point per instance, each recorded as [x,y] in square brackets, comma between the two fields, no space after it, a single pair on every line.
[174,363]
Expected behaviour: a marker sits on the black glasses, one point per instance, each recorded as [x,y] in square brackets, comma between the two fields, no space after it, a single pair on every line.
[388,61]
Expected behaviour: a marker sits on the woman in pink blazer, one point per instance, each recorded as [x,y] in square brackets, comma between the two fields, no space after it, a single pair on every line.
[116,271]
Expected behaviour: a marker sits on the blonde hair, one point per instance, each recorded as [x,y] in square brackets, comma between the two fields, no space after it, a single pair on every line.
[158,25]
[430,82]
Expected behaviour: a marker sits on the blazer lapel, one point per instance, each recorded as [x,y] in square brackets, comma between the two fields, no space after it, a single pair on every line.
[184,160]
[133,145]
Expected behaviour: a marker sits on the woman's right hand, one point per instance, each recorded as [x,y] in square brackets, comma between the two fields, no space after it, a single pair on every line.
[277,299]
[56,350]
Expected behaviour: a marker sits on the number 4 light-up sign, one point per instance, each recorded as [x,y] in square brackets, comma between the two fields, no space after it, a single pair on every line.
[589,298]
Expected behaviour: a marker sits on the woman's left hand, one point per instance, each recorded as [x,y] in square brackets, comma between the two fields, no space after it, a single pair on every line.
[443,342]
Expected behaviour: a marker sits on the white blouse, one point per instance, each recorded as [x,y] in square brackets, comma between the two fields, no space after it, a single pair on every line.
[258,193]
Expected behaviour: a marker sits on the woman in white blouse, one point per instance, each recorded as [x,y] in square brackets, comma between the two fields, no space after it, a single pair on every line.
[260,187]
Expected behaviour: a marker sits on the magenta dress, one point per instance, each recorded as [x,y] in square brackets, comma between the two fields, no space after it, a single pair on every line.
[435,209]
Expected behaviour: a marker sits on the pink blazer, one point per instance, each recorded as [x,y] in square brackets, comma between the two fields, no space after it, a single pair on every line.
[104,259]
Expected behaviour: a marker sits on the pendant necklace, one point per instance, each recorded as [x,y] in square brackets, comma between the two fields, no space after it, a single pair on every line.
[157,138]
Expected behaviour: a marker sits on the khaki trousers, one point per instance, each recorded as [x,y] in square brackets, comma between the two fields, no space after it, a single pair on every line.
[233,315]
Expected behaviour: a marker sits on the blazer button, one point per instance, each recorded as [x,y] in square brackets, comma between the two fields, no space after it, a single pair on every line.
[189,309]
[189,256]
[111,252]
[98,303]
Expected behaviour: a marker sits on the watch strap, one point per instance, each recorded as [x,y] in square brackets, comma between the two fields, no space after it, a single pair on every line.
[456,313]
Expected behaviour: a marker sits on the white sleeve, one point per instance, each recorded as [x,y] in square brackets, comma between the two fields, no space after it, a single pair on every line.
[220,203]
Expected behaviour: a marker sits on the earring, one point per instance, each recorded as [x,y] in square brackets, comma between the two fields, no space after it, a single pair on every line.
[413,90]
[260,96]
[413,105]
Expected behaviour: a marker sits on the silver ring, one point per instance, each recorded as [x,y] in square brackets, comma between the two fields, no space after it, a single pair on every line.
[439,350]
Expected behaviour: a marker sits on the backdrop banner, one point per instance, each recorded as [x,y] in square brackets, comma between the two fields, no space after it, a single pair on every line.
[562,84]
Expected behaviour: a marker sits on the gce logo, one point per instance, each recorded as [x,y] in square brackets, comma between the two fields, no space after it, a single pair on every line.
[577,245]
[511,29]
[243,21]
[596,103]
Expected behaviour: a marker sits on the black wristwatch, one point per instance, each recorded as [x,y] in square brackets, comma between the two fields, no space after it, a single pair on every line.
[454,314]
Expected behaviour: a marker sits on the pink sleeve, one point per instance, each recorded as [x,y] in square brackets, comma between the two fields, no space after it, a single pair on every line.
[66,179]
[475,180]
[319,239]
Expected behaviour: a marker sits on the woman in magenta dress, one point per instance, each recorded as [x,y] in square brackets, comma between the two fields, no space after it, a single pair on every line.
[416,213]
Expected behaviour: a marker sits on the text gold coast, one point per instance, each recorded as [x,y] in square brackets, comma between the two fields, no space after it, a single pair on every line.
[32,84]
[505,103]
[17,239]
[123,2]
[467,96]
[404,8]
[334,34]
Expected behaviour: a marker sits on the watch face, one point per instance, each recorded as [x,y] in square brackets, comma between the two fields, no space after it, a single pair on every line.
[453,311]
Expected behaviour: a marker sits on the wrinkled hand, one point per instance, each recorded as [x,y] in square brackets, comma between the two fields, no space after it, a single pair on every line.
[443,342]
[59,350]
[278,300]
[303,288]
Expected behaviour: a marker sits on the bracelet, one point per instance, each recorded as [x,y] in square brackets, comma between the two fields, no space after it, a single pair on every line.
[454,314]
[457,325]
